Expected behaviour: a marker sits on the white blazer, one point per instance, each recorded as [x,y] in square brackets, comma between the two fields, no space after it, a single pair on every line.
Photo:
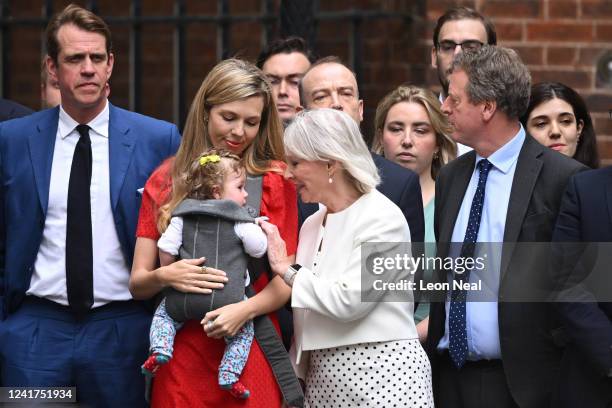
[326,297]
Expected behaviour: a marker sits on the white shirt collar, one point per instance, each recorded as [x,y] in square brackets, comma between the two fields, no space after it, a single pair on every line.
[504,157]
[99,124]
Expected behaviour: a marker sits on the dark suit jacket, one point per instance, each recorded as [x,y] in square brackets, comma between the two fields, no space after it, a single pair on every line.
[12,110]
[137,145]
[398,184]
[586,216]
[529,356]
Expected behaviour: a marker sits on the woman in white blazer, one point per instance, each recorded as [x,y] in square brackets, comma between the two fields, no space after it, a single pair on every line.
[347,351]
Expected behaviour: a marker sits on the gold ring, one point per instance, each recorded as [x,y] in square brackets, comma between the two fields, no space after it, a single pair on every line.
[203,269]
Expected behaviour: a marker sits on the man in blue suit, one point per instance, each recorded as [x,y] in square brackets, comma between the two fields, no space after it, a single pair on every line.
[586,367]
[71,179]
[330,84]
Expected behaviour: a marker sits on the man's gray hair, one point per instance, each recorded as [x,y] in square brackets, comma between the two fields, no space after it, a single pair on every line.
[329,134]
[496,74]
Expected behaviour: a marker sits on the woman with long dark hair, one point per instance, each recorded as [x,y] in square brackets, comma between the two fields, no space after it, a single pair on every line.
[557,117]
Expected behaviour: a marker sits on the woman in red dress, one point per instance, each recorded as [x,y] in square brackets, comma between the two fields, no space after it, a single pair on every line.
[233,110]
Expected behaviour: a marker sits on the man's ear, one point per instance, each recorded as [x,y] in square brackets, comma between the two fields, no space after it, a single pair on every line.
[110,65]
[488,110]
[360,111]
[51,67]
[434,59]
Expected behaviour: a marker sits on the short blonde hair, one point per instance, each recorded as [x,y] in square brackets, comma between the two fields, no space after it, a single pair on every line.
[329,134]
[442,128]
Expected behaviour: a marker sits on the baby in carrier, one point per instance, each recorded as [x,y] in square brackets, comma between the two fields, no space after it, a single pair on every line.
[210,220]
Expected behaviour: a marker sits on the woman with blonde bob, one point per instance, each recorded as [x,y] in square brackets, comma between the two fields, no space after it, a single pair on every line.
[369,345]
[411,130]
[233,110]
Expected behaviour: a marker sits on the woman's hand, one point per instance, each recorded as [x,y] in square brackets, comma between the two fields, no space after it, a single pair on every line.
[422,327]
[187,276]
[227,320]
[184,275]
[277,251]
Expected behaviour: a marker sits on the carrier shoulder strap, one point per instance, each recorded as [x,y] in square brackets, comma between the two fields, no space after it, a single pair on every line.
[265,332]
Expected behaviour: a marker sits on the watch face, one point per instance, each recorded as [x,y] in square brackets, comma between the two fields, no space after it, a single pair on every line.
[296,266]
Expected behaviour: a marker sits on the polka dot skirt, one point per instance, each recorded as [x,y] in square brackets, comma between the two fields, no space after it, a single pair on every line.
[385,374]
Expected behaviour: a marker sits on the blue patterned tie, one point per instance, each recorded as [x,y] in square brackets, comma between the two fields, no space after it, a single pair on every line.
[457,336]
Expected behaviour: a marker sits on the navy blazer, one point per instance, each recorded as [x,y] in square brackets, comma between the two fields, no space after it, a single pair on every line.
[12,110]
[586,216]
[137,145]
[399,185]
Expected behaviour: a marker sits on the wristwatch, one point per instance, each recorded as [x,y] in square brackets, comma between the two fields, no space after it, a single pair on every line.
[290,274]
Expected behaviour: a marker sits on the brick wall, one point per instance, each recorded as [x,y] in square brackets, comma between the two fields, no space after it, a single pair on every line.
[560,40]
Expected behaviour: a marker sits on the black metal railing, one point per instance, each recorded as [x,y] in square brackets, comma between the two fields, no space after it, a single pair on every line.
[307,12]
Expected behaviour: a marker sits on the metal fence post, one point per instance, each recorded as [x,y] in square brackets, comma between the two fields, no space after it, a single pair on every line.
[135,69]
[178,88]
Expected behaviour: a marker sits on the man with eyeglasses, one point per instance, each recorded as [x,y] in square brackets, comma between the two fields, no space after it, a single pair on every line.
[459,28]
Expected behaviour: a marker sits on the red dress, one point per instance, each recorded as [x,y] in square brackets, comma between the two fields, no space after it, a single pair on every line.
[190,378]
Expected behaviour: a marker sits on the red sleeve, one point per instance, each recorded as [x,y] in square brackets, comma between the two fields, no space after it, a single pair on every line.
[279,203]
[155,193]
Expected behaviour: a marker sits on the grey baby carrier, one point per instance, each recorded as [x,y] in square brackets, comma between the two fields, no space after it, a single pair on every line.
[208,230]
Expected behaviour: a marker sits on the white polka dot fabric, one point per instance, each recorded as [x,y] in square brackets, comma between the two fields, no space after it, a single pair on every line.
[386,374]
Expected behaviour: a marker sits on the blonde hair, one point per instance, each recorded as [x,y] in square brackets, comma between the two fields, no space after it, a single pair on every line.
[329,134]
[442,128]
[231,80]
[203,178]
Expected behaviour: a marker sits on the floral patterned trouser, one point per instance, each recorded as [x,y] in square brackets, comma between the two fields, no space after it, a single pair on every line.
[163,330]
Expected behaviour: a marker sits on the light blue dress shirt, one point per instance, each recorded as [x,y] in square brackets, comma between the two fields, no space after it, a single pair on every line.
[481,316]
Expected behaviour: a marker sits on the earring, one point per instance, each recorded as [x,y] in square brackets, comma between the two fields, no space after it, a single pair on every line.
[435,156]
[329,180]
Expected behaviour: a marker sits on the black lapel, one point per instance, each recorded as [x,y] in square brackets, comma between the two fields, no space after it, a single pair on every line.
[526,174]
[609,193]
[457,185]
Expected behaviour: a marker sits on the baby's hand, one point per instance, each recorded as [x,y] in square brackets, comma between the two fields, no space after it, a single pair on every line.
[258,220]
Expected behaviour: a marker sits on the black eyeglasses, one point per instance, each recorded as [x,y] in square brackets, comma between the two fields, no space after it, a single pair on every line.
[448,46]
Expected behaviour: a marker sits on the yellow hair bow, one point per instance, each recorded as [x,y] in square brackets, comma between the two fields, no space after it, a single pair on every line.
[211,158]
